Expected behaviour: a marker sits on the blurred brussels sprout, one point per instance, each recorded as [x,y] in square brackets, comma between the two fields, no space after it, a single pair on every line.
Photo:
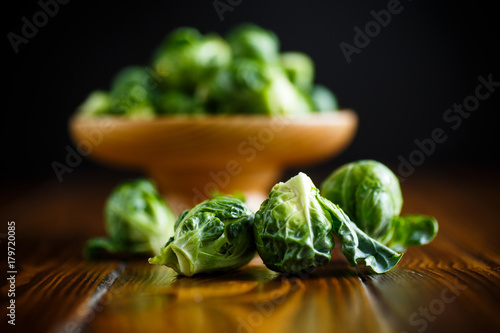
[214,53]
[299,69]
[175,101]
[244,75]
[370,194]
[216,235]
[188,57]
[323,99]
[251,41]
[293,231]
[174,54]
[137,221]
[283,98]
[131,92]
[240,88]
[96,103]
[254,87]
[178,38]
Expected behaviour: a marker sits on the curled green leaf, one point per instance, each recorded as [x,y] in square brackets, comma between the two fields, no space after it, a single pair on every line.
[358,246]
[412,230]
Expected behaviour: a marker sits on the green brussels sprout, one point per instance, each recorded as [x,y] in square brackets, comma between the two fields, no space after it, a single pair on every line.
[96,103]
[251,41]
[179,38]
[214,53]
[283,98]
[174,54]
[187,58]
[131,92]
[137,221]
[214,236]
[240,88]
[175,101]
[251,86]
[299,69]
[323,99]
[293,231]
[244,76]
[370,194]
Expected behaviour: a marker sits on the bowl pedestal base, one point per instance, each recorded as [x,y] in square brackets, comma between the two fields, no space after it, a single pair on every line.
[184,188]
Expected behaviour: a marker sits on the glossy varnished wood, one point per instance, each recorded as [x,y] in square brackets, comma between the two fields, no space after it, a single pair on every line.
[450,285]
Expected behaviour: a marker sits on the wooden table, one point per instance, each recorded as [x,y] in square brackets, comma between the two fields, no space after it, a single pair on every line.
[451,285]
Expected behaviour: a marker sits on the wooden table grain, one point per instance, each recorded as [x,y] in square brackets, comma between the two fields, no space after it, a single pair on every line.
[450,285]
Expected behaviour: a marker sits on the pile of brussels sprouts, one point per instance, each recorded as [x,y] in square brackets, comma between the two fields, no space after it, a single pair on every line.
[192,73]
[292,231]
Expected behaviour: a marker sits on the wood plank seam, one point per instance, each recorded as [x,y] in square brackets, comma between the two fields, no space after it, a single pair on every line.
[95,303]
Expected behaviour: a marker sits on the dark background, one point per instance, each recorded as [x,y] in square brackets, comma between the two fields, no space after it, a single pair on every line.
[424,61]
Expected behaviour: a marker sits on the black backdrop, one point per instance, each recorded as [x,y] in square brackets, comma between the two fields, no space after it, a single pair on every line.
[401,83]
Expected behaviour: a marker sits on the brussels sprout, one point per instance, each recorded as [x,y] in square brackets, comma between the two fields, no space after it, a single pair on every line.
[244,76]
[283,98]
[293,232]
[97,102]
[187,58]
[137,221]
[174,54]
[240,88]
[254,87]
[131,92]
[370,194]
[323,99]
[178,38]
[215,235]
[214,53]
[174,101]
[251,41]
[299,69]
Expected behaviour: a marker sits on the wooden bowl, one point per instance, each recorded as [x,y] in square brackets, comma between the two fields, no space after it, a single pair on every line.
[190,157]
